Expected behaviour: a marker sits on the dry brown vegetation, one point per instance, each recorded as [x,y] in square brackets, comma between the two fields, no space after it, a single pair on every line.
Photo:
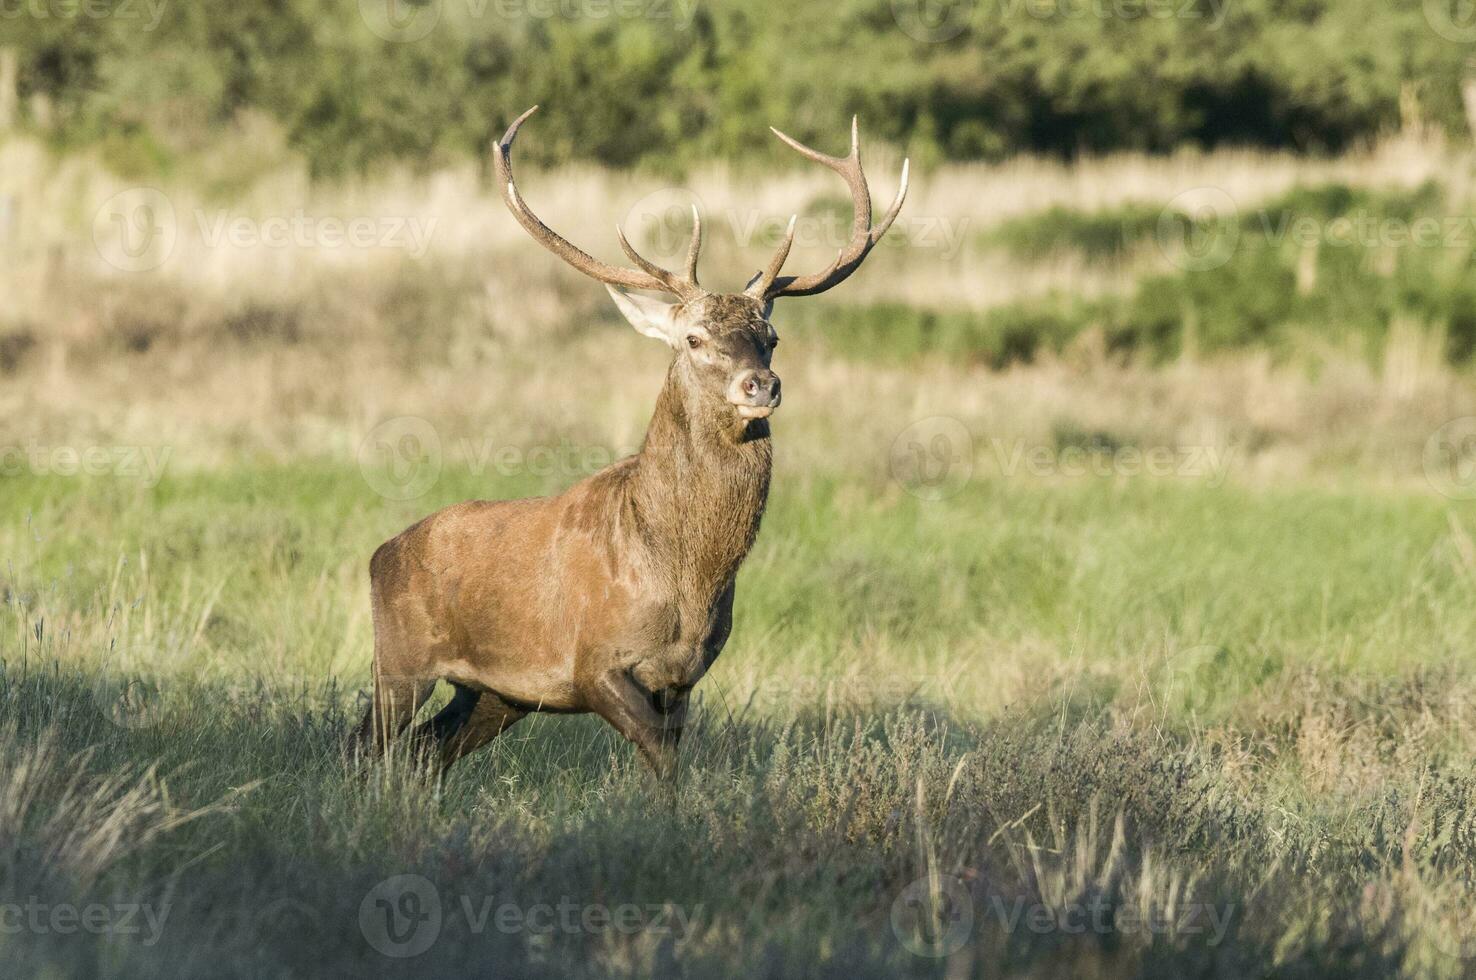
[306,345]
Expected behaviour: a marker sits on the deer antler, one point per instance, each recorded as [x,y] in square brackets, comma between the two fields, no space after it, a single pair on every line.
[864,237]
[650,276]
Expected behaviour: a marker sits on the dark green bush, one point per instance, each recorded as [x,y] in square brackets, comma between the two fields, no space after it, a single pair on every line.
[675,81]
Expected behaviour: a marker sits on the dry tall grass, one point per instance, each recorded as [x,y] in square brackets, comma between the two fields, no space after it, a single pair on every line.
[449,310]
[48,209]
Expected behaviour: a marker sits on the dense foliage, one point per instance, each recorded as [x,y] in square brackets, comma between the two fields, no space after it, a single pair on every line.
[660,82]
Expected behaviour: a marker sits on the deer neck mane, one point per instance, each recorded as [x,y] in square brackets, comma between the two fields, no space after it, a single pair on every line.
[701,483]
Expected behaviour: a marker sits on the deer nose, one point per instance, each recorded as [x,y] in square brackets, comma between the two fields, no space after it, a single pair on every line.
[755,389]
[760,387]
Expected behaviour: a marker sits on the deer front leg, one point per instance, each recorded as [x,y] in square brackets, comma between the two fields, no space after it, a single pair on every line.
[653,721]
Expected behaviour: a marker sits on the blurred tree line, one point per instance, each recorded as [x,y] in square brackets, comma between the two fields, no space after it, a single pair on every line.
[355,83]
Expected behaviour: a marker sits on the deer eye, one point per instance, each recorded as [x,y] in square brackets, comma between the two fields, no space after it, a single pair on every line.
[773,342]
[694,341]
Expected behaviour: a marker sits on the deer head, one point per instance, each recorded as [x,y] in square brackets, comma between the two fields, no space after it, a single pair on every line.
[723,342]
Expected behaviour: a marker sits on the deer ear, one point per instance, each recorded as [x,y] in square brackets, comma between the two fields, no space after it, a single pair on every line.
[649,316]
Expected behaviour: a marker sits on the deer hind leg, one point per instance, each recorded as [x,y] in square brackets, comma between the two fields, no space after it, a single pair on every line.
[470,721]
[394,704]
[429,735]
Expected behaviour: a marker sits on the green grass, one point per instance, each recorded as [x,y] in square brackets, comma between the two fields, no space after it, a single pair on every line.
[1256,291]
[1100,236]
[1154,695]
[1118,570]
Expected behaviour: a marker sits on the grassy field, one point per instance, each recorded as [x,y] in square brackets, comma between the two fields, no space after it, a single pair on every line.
[1099,661]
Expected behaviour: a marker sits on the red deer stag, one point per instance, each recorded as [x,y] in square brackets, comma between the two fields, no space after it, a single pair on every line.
[615,596]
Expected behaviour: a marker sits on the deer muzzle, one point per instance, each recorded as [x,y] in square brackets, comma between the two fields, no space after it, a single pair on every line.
[755,393]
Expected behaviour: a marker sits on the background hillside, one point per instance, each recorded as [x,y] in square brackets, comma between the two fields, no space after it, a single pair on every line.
[664,83]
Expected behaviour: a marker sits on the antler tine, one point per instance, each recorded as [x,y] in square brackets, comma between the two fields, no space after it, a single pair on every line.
[651,277]
[863,236]
[761,285]
[695,248]
[671,283]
